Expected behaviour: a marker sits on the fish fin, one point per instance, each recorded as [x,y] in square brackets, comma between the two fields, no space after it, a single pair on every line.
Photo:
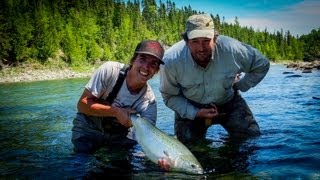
[168,159]
[166,153]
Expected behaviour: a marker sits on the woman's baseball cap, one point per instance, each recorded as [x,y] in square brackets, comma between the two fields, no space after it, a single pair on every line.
[151,47]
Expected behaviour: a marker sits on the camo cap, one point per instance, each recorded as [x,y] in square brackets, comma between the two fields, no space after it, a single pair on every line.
[151,47]
[199,25]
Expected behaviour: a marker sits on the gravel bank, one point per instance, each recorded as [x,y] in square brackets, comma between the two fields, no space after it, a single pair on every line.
[305,65]
[27,75]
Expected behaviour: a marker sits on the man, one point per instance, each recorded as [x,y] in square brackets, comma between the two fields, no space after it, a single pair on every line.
[198,81]
[102,121]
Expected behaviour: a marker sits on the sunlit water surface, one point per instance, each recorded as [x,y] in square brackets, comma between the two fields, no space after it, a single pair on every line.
[36,121]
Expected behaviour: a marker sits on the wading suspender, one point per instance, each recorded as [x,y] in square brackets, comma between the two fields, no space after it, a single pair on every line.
[117,86]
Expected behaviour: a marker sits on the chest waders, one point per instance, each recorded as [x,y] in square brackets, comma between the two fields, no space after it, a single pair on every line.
[110,124]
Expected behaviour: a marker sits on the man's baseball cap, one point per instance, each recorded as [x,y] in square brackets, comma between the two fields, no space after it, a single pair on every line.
[199,25]
[151,47]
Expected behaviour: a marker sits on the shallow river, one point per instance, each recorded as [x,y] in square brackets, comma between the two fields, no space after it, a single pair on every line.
[36,120]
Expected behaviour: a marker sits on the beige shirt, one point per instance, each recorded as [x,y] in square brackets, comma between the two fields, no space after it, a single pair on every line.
[103,81]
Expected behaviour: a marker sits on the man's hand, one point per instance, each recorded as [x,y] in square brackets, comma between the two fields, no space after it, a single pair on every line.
[208,113]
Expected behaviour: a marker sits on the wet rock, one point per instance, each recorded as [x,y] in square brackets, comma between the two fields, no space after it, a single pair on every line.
[295,75]
[307,71]
[286,72]
[306,67]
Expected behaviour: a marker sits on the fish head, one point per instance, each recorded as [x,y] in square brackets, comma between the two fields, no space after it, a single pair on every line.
[188,164]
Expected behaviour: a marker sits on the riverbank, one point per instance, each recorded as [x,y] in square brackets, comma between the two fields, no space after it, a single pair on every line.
[305,67]
[28,73]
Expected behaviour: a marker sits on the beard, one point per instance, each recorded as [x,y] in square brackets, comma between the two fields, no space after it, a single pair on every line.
[202,58]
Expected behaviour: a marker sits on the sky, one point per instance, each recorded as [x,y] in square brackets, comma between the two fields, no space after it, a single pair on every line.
[297,16]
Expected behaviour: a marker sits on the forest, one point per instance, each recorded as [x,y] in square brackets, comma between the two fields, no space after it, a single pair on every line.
[82,32]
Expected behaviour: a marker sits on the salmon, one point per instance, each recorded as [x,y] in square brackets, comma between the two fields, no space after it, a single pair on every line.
[156,144]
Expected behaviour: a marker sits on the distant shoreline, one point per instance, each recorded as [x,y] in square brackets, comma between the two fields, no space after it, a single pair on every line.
[29,74]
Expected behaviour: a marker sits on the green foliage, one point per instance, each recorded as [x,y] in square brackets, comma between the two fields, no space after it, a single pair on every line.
[23,37]
[89,31]
[45,34]
[5,45]
[311,45]
[73,46]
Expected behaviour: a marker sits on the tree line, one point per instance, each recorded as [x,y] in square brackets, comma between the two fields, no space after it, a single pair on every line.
[81,32]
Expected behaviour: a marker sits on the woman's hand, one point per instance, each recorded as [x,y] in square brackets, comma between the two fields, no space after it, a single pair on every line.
[123,116]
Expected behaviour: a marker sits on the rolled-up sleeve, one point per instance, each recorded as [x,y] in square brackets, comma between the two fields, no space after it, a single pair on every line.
[172,95]
[255,66]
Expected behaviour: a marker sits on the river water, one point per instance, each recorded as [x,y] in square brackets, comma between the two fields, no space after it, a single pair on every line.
[36,121]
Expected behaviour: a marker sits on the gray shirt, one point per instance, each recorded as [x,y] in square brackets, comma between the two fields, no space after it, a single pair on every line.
[182,79]
[103,81]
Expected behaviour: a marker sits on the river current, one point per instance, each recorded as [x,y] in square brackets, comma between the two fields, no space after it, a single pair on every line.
[36,121]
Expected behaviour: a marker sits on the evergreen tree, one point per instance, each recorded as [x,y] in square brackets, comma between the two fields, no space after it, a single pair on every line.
[86,31]
[5,29]
[311,45]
